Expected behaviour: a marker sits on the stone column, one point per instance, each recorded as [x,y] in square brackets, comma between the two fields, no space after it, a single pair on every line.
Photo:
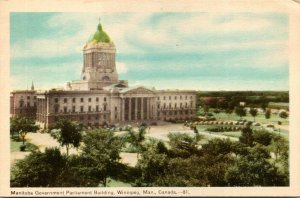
[129,110]
[142,108]
[148,108]
[135,108]
[123,109]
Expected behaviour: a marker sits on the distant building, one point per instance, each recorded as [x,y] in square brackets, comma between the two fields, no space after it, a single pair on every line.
[100,98]
[23,103]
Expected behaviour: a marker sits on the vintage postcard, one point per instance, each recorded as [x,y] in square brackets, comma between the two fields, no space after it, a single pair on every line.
[150,98]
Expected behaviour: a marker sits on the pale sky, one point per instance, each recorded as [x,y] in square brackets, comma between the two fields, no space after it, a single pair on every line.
[197,50]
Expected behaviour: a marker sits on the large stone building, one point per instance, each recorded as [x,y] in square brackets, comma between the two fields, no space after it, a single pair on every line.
[101,98]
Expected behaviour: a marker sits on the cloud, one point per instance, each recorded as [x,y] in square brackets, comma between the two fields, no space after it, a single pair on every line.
[121,68]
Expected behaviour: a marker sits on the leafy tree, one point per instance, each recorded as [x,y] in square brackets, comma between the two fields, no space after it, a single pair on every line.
[69,134]
[137,138]
[152,164]
[240,111]
[102,149]
[262,137]
[268,114]
[247,136]
[254,169]
[283,114]
[78,172]
[253,112]
[22,126]
[38,169]
[183,145]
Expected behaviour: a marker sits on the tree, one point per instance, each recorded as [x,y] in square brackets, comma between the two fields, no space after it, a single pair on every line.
[152,164]
[22,126]
[183,145]
[240,111]
[38,169]
[253,112]
[283,114]
[255,169]
[69,134]
[247,136]
[268,114]
[262,137]
[102,149]
[136,138]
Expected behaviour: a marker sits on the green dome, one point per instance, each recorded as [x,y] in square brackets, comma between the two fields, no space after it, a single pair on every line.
[100,36]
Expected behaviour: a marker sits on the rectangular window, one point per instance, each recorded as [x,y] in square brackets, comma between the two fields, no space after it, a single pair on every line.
[104,116]
[180,97]
[56,100]
[81,109]
[28,97]
[34,97]
[185,97]
[157,98]
[175,97]
[97,99]
[170,105]
[74,100]
[97,107]
[65,100]
[175,105]
[169,97]
[104,99]
[73,108]
[90,108]
[56,109]
[90,99]
[158,106]
[81,99]
[65,109]
[104,107]
[28,104]
[34,104]
[116,116]
[164,97]
[116,108]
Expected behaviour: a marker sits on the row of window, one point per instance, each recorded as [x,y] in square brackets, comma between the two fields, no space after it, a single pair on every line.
[175,105]
[21,104]
[81,118]
[81,100]
[28,97]
[97,109]
[175,113]
[175,97]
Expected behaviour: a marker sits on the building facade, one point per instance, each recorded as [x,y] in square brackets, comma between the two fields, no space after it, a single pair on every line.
[100,98]
[23,103]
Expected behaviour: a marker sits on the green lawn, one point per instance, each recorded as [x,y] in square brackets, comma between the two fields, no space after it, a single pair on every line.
[15,146]
[259,118]
[114,183]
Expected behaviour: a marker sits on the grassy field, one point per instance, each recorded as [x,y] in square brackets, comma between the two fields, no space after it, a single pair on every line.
[15,146]
[114,183]
[259,118]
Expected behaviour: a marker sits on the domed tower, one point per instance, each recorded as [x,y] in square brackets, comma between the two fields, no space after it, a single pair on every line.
[99,65]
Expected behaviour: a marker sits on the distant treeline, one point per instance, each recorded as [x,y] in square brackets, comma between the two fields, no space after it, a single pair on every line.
[229,99]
